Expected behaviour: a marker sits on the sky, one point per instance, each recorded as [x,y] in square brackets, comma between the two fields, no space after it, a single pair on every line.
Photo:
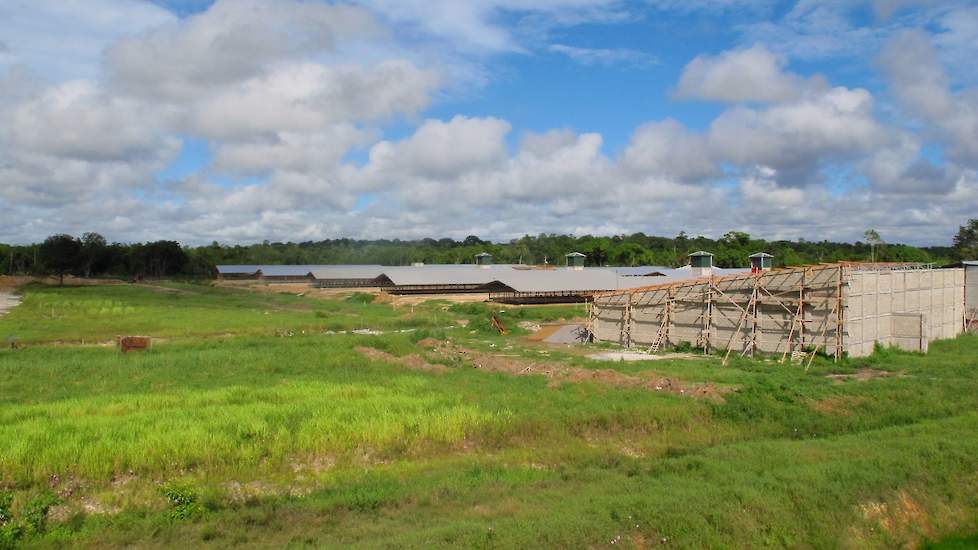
[240,121]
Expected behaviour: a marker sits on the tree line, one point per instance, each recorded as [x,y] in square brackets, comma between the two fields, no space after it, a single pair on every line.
[91,255]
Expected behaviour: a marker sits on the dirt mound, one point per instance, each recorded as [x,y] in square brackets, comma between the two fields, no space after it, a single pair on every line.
[415,362]
[559,373]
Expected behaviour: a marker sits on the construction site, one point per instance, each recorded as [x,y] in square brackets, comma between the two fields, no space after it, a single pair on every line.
[835,309]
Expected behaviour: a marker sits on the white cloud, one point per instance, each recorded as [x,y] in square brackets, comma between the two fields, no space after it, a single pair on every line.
[605,56]
[308,96]
[442,149]
[922,87]
[796,138]
[233,41]
[76,120]
[669,149]
[471,26]
[63,39]
[752,74]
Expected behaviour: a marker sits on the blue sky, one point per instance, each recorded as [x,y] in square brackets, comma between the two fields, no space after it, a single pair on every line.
[247,120]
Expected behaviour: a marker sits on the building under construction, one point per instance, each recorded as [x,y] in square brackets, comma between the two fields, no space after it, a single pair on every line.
[843,308]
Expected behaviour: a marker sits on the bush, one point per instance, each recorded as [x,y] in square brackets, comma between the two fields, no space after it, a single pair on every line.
[183,502]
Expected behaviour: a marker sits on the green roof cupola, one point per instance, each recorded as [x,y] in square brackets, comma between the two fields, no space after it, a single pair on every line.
[575,260]
[761,261]
[483,259]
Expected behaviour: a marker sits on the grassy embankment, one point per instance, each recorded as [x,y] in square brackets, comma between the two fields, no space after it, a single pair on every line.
[233,431]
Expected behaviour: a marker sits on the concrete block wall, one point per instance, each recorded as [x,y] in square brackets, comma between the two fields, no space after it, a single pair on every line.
[877,300]
[908,308]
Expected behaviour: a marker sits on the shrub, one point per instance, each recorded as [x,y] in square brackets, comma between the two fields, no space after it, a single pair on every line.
[183,502]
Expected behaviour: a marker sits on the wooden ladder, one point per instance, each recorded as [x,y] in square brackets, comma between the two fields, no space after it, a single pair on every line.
[659,336]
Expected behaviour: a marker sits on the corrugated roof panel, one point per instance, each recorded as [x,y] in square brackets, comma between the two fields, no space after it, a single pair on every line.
[237,269]
[327,272]
[444,275]
[286,270]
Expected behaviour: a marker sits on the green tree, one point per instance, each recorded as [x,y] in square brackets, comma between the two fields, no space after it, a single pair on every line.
[966,241]
[60,254]
[93,247]
[874,240]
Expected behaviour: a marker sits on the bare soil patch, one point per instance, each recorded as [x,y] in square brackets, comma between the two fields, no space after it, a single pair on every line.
[861,375]
[413,361]
[841,405]
[559,373]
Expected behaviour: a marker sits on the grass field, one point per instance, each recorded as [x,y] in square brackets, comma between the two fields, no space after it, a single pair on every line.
[255,420]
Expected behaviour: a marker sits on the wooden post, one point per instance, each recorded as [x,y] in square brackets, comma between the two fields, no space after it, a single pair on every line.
[754,299]
[628,321]
[708,316]
[839,315]
[801,309]
[670,295]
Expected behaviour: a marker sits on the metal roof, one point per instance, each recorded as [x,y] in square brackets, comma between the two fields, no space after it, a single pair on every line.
[444,275]
[575,255]
[638,270]
[286,270]
[760,255]
[972,263]
[325,272]
[237,269]
[519,278]
[701,253]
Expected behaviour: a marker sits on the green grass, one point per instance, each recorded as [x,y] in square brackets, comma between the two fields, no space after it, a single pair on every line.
[241,429]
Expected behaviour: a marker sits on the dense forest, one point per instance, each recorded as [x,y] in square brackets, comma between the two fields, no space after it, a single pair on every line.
[91,255]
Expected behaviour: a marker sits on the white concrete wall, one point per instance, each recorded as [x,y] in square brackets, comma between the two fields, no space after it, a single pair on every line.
[971,286]
[883,306]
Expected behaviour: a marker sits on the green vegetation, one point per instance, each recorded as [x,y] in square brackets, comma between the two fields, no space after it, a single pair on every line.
[239,428]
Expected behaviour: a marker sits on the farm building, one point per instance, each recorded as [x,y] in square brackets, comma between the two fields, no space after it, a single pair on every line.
[232,272]
[349,276]
[286,273]
[444,279]
[501,282]
[835,308]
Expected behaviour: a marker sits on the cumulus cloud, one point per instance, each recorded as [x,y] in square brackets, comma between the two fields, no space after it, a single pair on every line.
[922,87]
[232,41]
[669,149]
[752,74]
[442,149]
[795,138]
[63,40]
[308,96]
